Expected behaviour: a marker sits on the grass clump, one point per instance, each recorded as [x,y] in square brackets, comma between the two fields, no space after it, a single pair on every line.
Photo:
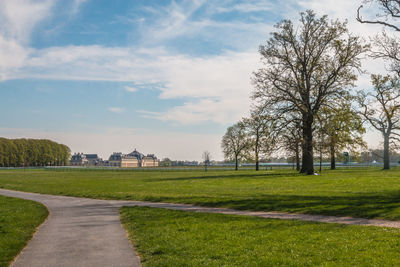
[177,238]
[18,221]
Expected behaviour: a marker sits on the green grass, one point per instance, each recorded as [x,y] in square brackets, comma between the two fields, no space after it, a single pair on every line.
[368,193]
[177,238]
[18,221]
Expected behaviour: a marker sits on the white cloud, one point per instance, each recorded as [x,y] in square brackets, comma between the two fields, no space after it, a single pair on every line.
[250,6]
[130,89]
[19,17]
[117,110]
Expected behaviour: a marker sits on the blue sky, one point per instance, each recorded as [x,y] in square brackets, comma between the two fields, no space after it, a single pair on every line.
[165,77]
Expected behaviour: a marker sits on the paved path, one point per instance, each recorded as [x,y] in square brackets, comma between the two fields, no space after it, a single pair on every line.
[87,232]
[78,232]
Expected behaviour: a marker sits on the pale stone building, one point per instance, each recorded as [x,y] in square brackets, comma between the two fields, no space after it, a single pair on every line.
[80,159]
[132,160]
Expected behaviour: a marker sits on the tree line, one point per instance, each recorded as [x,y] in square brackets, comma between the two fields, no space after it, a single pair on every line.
[304,102]
[32,152]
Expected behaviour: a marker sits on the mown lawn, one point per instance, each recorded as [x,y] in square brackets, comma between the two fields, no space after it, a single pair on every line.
[18,221]
[369,193]
[177,238]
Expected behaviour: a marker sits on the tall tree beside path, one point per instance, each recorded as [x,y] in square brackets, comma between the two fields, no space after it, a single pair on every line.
[381,108]
[235,143]
[305,68]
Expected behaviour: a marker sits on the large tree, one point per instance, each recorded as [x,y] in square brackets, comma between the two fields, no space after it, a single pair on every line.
[305,67]
[381,108]
[235,143]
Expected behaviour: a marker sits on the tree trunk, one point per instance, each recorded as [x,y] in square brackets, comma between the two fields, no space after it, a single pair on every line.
[236,163]
[386,157]
[257,163]
[333,158]
[297,157]
[307,155]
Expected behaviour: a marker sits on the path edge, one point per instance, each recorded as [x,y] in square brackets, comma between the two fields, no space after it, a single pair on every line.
[34,233]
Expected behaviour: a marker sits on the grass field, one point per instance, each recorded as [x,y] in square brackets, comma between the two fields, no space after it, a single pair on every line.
[176,238]
[369,193]
[18,221]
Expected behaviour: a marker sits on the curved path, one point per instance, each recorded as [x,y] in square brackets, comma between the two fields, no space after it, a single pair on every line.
[88,232]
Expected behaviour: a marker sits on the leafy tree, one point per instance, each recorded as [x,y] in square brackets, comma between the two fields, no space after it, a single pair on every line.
[235,142]
[340,127]
[259,133]
[305,68]
[31,152]
[381,109]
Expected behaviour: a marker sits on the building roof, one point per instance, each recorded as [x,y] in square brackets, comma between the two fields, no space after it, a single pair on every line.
[91,156]
[136,154]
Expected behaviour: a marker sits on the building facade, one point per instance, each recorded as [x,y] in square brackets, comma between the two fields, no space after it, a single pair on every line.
[132,160]
[80,159]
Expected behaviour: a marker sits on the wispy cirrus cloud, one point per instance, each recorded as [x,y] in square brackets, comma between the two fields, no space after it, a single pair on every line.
[117,110]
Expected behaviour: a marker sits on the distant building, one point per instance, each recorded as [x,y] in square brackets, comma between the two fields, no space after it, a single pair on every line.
[132,160]
[80,159]
[122,160]
[93,159]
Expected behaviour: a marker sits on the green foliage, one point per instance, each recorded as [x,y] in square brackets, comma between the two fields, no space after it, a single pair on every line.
[18,221]
[32,152]
[177,238]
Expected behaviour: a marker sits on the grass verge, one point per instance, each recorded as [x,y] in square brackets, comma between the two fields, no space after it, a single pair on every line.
[176,238]
[18,221]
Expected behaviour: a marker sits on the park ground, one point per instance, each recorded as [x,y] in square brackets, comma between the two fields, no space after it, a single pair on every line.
[191,239]
[18,221]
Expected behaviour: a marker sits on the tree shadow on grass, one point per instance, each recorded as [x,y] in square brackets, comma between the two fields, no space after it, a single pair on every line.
[384,206]
[364,206]
[230,176]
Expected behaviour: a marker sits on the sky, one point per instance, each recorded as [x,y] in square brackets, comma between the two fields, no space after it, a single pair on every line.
[163,77]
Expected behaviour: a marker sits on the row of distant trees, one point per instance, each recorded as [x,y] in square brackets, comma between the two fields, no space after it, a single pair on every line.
[303,100]
[32,152]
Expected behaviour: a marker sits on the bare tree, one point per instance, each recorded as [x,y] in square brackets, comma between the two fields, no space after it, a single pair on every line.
[381,108]
[235,142]
[387,12]
[206,159]
[259,131]
[305,68]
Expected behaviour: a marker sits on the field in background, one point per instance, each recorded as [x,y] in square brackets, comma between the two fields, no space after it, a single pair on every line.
[369,193]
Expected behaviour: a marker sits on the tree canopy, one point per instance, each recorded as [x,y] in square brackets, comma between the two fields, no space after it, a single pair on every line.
[32,152]
[305,68]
